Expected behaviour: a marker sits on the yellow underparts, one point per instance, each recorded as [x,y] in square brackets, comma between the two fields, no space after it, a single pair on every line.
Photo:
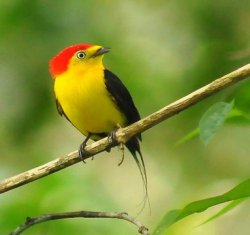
[85,100]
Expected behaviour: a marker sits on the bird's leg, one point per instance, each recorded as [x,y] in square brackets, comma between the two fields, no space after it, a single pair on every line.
[111,139]
[112,136]
[82,152]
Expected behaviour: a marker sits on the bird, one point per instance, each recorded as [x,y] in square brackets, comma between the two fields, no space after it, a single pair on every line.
[92,98]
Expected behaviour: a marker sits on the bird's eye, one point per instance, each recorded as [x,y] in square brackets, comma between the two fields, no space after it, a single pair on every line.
[80,55]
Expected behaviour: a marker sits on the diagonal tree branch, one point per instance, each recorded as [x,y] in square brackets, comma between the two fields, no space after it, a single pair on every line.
[123,134]
[79,214]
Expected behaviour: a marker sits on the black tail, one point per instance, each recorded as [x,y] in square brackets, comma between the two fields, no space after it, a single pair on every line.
[134,147]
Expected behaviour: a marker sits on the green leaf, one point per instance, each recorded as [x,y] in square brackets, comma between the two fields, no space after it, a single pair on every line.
[234,116]
[224,210]
[213,119]
[192,134]
[241,191]
[239,116]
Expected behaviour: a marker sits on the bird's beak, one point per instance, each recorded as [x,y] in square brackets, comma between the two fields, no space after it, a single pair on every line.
[101,51]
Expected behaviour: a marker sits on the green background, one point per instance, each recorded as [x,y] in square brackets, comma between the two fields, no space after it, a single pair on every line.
[161,50]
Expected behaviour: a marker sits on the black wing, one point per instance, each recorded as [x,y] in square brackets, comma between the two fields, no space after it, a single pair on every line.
[59,108]
[125,104]
[60,111]
[121,96]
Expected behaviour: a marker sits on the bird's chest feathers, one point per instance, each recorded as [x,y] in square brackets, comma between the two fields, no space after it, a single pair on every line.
[86,101]
[80,90]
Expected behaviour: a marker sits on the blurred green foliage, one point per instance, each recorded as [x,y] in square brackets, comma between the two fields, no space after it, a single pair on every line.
[162,50]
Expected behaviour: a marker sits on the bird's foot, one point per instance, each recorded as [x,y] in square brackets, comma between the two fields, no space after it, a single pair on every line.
[82,152]
[122,149]
[112,136]
[111,139]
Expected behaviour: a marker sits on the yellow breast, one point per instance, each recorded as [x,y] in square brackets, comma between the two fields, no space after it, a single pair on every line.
[86,101]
